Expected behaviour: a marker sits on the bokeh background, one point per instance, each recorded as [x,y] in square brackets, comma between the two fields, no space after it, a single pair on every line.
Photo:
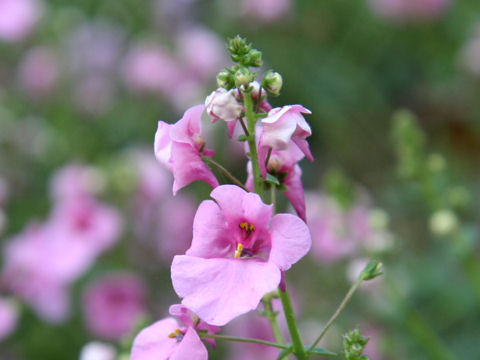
[394,89]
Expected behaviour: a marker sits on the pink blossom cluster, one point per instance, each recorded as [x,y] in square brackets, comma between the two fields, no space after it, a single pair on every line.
[240,248]
[18,18]
[401,10]
[339,233]
[43,260]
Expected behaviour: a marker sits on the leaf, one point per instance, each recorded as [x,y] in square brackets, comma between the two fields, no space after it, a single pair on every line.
[242,137]
[272,179]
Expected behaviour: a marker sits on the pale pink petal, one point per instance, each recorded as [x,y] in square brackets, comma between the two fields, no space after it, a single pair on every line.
[163,144]
[188,126]
[290,240]
[153,342]
[279,133]
[295,193]
[8,317]
[303,145]
[230,200]
[218,290]
[189,167]
[255,211]
[190,348]
[231,125]
[210,235]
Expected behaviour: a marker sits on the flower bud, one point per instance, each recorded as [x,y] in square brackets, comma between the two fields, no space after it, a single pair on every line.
[243,76]
[372,270]
[222,104]
[273,82]
[353,344]
[224,79]
[253,58]
[443,222]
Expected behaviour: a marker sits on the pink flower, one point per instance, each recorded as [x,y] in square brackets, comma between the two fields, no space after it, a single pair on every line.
[38,71]
[238,252]
[75,180]
[17,18]
[113,304]
[266,10]
[409,9]
[180,146]
[150,68]
[8,317]
[285,124]
[222,104]
[168,339]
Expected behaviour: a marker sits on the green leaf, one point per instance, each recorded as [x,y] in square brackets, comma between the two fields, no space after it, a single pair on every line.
[321,351]
[242,137]
[272,179]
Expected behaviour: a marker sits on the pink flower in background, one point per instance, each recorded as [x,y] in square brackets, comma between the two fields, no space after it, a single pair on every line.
[285,124]
[171,339]
[38,71]
[266,10]
[113,304]
[8,317]
[150,68]
[93,94]
[96,350]
[75,180]
[18,18]
[36,268]
[180,146]
[409,9]
[237,254]
[331,235]
[201,52]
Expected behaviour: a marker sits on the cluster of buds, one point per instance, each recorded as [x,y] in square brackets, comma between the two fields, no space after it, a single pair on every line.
[353,344]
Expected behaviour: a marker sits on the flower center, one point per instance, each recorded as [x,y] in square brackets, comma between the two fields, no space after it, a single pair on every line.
[247,228]
[177,335]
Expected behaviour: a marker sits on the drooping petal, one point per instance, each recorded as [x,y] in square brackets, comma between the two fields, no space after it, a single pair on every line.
[191,347]
[290,240]
[163,144]
[153,341]
[218,290]
[303,145]
[278,134]
[295,193]
[231,127]
[210,236]
[188,167]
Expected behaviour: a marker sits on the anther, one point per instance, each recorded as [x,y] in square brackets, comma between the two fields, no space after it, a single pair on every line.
[239,251]
[175,334]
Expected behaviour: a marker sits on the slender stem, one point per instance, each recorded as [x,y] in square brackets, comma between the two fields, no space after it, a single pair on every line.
[224,171]
[272,318]
[336,314]
[245,340]
[251,120]
[268,156]
[298,348]
[244,127]
[273,197]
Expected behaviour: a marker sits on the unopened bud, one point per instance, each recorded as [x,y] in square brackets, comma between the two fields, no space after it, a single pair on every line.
[222,104]
[354,344]
[273,82]
[443,222]
[243,76]
[224,80]
[253,58]
[372,270]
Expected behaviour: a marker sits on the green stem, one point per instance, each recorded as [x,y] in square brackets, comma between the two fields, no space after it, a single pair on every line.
[337,313]
[471,267]
[298,348]
[272,318]
[224,171]
[245,340]
[251,120]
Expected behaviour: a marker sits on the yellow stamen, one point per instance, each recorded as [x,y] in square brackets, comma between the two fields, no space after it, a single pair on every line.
[239,250]
[175,334]
[247,227]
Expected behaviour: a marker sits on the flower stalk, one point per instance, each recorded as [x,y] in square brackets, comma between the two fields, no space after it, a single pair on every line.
[298,347]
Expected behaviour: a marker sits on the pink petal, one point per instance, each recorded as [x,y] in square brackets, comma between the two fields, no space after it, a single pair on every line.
[290,240]
[255,211]
[188,167]
[295,192]
[230,200]
[163,144]
[278,134]
[303,145]
[218,290]
[153,342]
[188,126]
[210,235]
[190,348]
[231,127]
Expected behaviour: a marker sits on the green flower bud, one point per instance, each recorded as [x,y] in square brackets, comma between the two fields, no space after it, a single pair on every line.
[243,76]
[353,344]
[253,58]
[372,270]
[225,80]
[272,81]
